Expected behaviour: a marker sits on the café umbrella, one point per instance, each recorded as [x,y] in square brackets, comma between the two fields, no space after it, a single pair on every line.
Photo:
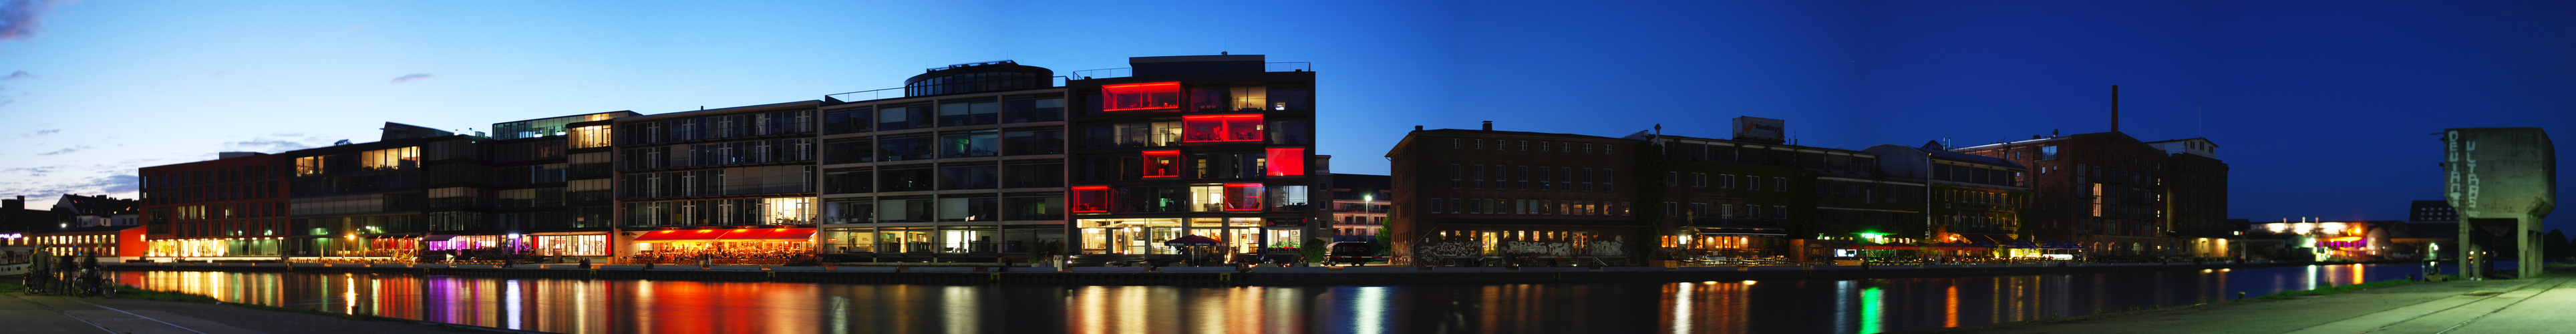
[1191,241]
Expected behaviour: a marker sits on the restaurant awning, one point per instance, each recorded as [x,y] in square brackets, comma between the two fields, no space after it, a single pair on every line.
[679,235]
[768,234]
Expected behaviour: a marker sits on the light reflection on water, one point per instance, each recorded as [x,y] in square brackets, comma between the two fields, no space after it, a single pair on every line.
[1774,306]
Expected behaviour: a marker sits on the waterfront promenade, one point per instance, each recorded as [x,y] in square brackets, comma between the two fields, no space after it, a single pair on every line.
[2536,305]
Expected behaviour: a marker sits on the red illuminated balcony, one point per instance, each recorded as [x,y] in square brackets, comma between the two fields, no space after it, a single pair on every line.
[1289,161]
[1141,96]
[1220,128]
[1090,199]
[1162,164]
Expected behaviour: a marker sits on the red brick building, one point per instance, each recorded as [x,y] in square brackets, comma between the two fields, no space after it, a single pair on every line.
[2105,191]
[235,206]
[1476,193]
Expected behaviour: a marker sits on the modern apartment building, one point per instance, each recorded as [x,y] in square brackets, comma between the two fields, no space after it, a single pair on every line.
[733,182]
[1214,146]
[965,163]
[540,187]
[1360,206]
[357,200]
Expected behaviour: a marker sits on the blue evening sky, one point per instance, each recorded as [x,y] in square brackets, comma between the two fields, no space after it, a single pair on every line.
[2323,109]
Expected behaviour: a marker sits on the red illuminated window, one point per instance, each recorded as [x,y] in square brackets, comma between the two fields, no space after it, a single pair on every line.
[1243,196]
[1090,199]
[1287,161]
[1162,163]
[1219,128]
[1140,96]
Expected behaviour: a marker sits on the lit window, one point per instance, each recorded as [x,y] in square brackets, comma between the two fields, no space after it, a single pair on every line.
[1287,161]
[1162,164]
[1090,199]
[1221,128]
[1140,96]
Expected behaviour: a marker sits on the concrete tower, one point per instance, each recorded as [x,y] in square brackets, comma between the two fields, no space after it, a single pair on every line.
[2502,181]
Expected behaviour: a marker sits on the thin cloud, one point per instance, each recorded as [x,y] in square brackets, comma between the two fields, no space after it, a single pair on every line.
[267,145]
[19,75]
[41,132]
[19,19]
[413,77]
[65,150]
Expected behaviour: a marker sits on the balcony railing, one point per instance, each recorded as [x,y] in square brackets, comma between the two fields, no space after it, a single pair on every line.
[1123,72]
[898,92]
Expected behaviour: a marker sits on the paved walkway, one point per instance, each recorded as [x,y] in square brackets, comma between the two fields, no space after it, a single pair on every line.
[2537,305]
[51,314]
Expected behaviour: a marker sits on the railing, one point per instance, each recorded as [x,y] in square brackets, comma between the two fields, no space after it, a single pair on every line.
[1123,72]
[865,95]
[898,92]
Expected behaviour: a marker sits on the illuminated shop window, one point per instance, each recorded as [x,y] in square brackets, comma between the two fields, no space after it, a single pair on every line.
[1243,196]
[1162,164]
[1140,96]
[1221,128]
[1090,199]
[1287,162]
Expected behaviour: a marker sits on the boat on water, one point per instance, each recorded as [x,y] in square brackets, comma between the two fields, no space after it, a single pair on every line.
[15,260]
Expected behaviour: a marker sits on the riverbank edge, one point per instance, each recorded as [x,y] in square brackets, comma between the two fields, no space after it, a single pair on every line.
[1258,276]
[176,297]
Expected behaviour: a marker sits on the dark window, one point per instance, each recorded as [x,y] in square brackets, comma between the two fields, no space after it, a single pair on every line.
[852,120]
[906,117]
[971,113]
[969,177]
[917,178]
[1033,142]
[848,181]
[915,147]
[1032,110]
[1033,208]
[1033,176]
[853,150]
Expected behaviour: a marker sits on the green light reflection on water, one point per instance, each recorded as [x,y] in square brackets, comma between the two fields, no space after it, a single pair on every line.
[1870,311]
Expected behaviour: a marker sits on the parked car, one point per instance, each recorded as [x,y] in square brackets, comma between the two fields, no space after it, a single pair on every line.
[1352,252]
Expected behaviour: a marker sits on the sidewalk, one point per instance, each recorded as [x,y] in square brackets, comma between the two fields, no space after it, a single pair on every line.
[2537,305]
[55,314]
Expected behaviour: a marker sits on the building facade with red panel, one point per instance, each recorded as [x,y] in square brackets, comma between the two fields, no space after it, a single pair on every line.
[1214,146]
[232,207]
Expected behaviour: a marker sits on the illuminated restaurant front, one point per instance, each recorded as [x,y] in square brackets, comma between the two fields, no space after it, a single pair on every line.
[738,245]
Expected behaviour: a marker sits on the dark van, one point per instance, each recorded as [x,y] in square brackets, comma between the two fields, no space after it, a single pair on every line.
[1352,252]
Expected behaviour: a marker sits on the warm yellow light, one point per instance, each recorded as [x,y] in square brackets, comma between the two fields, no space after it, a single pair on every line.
[1748,282]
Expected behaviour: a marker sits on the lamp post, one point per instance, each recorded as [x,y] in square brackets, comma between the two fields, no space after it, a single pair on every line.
[2240,246]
